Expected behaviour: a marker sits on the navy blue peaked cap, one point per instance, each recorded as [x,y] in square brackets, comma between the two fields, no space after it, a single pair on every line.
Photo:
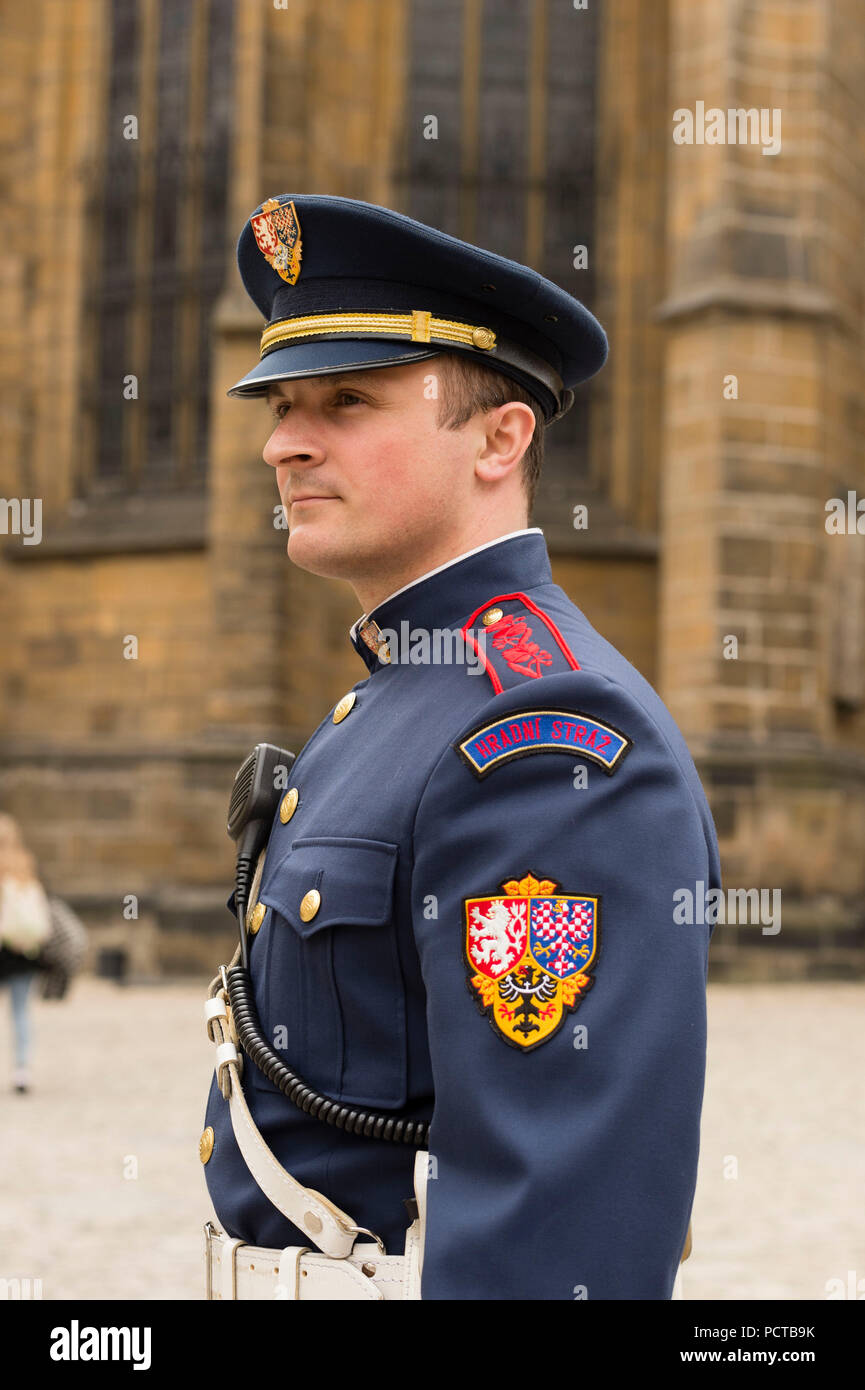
[345,284]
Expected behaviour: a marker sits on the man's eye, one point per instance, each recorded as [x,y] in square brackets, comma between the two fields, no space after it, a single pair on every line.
[342,398]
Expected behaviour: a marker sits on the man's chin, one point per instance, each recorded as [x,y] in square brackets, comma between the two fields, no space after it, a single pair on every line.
[310,548]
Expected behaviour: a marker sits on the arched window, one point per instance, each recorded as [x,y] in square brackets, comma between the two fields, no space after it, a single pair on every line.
[511,85]
[157,237]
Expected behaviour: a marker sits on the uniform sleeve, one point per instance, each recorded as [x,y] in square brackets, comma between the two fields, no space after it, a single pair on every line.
[565,1007]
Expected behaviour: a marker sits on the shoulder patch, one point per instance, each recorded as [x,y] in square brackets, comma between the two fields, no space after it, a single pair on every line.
[520,641]
[527,731]
[530,955]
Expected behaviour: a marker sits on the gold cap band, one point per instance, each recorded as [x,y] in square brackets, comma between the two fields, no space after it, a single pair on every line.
[419,326]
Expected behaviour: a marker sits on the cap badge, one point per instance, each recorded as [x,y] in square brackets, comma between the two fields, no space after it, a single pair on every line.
[277,232]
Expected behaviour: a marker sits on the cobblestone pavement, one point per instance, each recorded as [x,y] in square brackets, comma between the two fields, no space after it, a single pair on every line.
[102,1193]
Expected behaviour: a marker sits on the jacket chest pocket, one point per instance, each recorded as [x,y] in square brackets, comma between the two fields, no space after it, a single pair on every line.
[333,995]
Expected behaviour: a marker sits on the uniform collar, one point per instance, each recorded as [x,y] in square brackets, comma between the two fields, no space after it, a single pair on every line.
[449,594]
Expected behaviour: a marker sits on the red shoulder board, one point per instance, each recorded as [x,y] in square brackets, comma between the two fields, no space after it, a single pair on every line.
[519,641]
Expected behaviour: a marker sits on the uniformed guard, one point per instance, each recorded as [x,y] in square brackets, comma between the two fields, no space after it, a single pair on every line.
[460,1052]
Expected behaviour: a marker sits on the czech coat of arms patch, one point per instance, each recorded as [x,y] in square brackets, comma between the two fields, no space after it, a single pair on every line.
[529,955]
[277,232]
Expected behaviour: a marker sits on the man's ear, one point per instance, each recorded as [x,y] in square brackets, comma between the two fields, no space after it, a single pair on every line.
[509,430]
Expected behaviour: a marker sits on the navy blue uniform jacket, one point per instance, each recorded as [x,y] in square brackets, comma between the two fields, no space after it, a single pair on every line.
[497,841]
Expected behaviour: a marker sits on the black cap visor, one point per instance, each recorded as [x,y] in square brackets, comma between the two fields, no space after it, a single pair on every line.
[325,358]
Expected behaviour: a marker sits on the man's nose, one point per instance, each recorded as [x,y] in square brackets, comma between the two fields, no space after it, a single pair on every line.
[292,442]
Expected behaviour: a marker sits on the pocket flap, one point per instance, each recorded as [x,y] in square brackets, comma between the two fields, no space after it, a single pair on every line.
[353,877]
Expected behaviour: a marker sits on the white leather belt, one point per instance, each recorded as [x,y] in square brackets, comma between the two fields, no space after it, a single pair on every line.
[339,1268]
[237,1271]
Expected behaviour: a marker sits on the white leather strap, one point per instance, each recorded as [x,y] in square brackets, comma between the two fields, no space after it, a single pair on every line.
[329,1228]
[332,1230]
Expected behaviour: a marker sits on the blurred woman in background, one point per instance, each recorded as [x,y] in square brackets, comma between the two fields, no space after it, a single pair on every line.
[25,930]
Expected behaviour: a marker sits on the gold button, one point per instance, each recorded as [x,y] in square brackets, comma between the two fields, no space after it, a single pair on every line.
[492,615]
[312,1222]
[255,916]
[205,1145]
[288,805]
[310,904]
[345,704]
[483,338]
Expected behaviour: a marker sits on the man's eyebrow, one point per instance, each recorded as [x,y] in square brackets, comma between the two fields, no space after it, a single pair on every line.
[333,379]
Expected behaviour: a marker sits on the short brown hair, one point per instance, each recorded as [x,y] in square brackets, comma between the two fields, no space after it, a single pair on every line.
[470,387]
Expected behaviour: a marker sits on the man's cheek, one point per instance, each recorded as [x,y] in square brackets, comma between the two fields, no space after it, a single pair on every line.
[390,465]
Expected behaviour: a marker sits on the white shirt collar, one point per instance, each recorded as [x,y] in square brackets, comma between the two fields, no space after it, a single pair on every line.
[525,531]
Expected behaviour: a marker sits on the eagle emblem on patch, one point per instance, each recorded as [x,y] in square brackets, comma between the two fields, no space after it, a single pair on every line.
[530,954]
[277,232]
